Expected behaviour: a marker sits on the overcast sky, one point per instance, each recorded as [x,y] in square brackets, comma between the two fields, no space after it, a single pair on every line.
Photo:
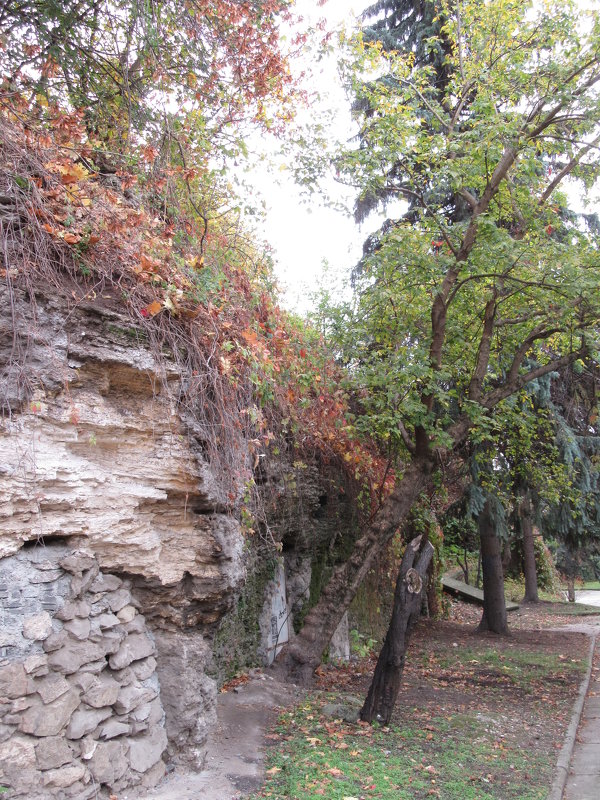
[304,232]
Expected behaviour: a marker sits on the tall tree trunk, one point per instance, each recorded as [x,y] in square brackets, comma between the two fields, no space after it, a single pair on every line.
[303,655]
[381,699]
[494,605]
[529,568]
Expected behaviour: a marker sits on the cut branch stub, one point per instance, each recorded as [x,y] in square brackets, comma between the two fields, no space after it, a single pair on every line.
[413,580]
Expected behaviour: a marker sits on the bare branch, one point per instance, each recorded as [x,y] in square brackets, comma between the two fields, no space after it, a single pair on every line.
[567,169]
[410,445]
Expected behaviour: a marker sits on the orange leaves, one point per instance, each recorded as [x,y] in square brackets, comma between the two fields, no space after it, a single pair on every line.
[250,337]
[149,154]
[152,309]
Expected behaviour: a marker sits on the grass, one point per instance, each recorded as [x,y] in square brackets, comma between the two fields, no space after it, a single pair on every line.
[576,610]
[448,749]
[455,756]
[523,670]
[591,585]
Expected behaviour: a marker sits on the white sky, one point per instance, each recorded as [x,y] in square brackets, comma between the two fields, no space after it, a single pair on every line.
[303,231]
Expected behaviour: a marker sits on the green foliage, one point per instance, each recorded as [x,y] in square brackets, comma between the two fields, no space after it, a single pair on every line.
[482,277]
[238,638]
[361,645]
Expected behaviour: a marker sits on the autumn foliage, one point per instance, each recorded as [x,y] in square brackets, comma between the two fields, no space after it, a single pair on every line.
[197,286]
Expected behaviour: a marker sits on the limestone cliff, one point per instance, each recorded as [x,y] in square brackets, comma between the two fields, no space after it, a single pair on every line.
[121,551]
[95,455]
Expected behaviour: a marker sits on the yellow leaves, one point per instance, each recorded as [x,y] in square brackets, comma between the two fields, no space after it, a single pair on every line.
[195,262]
[273,770]
[68,171]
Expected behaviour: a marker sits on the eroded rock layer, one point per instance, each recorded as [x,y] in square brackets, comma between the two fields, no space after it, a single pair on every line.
[95,457]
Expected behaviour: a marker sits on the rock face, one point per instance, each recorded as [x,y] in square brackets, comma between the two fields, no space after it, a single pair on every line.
[118,556]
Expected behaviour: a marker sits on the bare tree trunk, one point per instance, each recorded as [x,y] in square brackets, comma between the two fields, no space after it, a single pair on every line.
[303,655]
[529,568]
[381,699]
[494,605]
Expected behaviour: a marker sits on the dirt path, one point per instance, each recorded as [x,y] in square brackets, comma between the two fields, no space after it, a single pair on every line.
[234,763]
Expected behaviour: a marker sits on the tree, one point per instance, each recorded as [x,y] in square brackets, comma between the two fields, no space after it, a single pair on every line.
[453,315]
[408,597]
[128,63]
[574,517]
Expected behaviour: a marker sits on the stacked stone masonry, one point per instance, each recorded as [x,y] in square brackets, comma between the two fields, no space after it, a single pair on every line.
[80,707]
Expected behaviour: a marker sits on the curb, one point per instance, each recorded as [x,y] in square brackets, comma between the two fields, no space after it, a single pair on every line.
[562,765]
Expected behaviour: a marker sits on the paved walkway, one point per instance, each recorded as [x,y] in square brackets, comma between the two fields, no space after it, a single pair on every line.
[580,760]
[583,779]
[590,597]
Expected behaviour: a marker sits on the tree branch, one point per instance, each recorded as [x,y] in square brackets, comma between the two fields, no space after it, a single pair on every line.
[566,170]
[502,392]
[483,354]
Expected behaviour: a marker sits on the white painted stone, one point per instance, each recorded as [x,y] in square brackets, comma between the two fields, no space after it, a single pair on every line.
[339,646]
[38,626]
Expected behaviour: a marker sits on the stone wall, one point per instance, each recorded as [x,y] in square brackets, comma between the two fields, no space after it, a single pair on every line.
[95,457]
[80,709]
